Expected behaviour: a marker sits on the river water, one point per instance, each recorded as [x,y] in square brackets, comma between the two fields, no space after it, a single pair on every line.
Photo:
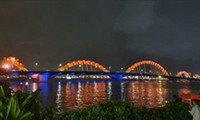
[67,95]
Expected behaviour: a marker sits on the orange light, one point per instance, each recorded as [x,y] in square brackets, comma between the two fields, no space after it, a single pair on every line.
[6,66]
[83,62]
[186,74]
[148,62]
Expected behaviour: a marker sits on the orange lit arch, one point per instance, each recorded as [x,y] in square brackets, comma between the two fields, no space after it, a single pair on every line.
[83,62]
[148,62]
[196,76]
[14,62]
[186,74]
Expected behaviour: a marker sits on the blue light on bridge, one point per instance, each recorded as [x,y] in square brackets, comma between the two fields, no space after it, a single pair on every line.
[116,76]
[72,73]
[57,74]
[101,73]
[82,73]
[21,83]
[87,82]
[60,73]
[46,73]
[102,81]
[69,82]
[79,82]
[14,73]
[30,74]
[59,83]
[45,76]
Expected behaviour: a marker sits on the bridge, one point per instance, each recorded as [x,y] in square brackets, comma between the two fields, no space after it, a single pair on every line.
[145,69]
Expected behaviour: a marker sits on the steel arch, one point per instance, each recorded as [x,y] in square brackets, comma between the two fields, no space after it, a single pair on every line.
[149,62]
[83,62]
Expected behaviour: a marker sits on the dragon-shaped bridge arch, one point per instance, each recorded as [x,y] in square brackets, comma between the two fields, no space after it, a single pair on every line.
[147,62]
[83,62]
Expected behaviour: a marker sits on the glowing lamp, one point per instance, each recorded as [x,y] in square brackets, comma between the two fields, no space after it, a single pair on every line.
[6,66]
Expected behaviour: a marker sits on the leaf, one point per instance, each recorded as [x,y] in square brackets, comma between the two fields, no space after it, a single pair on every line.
[26,101]
[26,116]
[17,114]
[9,107]
[2,91]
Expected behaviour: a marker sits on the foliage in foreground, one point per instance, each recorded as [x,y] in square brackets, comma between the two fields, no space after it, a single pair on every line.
[127,111]
[27,106]
[23,106]
[18,105]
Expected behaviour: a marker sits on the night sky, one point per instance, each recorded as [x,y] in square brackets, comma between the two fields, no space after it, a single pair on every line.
[110,32]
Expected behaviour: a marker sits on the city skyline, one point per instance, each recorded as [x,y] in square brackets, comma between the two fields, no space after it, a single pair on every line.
[116,33]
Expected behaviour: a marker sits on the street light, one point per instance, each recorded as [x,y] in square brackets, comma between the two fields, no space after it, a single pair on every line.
[36,65]
[109,68]
[6,66]
[141,71]
[60,65]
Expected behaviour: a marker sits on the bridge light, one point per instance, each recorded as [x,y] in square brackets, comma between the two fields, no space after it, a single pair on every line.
[12,59]
[60,65]
[36,64]
[109,67]
[122,68]
[26,83]
[59,83]
[21,83]
[87,82]
[6,66]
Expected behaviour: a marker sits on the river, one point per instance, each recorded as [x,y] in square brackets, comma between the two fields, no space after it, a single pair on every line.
[68,95]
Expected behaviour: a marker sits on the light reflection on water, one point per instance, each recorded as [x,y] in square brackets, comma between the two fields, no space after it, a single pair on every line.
[70,95]
[148,94]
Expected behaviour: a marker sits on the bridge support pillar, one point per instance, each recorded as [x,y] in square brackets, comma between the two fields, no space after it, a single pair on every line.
[43,77]
[118,76]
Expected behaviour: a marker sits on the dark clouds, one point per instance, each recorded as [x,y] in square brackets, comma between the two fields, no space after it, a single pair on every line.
[116,33]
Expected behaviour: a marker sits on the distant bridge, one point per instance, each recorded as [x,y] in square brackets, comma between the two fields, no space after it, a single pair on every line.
[88,67]
[45,75]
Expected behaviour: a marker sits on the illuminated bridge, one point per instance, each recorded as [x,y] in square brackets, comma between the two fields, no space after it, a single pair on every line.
[145,69]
